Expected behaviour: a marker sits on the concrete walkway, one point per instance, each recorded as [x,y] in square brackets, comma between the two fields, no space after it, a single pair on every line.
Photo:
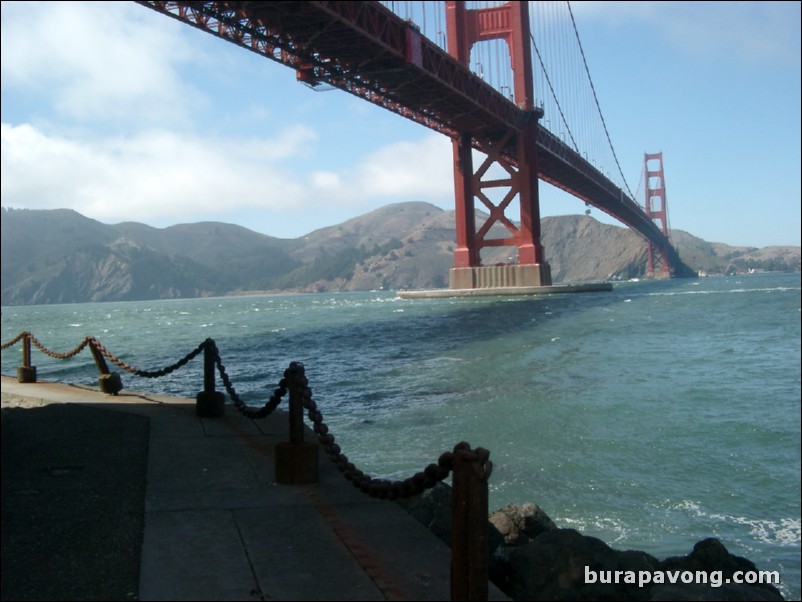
[215,524]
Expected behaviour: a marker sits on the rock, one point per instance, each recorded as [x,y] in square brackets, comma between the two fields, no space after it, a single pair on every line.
[432,508]
[552,567]
[708,555]
[732,592]
[562,564]
[521,524]
[532,559]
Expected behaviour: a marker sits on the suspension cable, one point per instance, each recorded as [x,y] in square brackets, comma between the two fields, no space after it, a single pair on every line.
[595,98]
[553,93]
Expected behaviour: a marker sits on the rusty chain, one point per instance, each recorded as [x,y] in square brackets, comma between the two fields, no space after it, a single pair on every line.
[90,340]
[377,487]
[45,350]
[294,376]
[245,410]
[145,373]
[14,341]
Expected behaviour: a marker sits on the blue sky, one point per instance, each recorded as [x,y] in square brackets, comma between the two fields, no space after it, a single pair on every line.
[123,114]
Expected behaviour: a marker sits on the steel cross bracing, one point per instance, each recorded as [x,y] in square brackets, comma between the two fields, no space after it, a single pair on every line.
[365,49]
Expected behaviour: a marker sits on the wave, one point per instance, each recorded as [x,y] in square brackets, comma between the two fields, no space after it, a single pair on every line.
[615,530]
[777,289]
[782,532]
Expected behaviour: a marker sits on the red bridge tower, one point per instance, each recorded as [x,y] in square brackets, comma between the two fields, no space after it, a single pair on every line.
[509,22]
[656,209]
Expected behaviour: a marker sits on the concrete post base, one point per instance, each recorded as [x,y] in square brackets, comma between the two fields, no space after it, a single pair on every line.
[297,463]
[26,374]
[111,384]
[210,404]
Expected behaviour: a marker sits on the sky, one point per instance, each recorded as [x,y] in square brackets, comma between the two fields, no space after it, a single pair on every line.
[124,114]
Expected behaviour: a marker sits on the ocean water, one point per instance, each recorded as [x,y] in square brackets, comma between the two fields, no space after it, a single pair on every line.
[652,416]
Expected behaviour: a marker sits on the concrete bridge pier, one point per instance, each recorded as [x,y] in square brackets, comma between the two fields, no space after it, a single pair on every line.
[498,276]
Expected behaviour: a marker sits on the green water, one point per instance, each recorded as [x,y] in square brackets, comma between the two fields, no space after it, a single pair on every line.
[651,416]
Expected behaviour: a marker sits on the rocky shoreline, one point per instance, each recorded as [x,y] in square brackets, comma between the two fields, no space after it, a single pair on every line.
[531,558]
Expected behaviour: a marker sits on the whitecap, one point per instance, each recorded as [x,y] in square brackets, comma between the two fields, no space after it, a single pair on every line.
[614,529]
[688,505]
[785,531]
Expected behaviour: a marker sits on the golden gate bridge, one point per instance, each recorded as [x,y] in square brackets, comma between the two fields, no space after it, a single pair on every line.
[508,83]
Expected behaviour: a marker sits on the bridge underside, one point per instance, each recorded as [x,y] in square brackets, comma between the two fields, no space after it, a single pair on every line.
[368,51]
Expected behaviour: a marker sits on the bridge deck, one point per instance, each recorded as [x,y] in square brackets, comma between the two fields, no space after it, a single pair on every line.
[365,49]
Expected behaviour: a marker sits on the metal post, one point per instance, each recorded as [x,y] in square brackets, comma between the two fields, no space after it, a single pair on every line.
[296,405]
[209,403]
[296,459]
[109,382]
[26,373]
[469,533]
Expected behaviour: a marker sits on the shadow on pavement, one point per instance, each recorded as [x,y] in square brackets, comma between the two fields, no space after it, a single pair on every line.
[73,492]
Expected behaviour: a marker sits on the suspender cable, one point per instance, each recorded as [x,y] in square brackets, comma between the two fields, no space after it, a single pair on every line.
[554,95]
[596,99]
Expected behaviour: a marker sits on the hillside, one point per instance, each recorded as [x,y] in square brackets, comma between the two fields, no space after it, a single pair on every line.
[60,256]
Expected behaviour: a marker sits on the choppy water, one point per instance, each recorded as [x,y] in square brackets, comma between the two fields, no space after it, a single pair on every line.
[651,416]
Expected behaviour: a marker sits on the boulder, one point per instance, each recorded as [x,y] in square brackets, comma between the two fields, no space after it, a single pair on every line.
[532,559]
[562,564]
[432,508]
[553,567]
[518,525]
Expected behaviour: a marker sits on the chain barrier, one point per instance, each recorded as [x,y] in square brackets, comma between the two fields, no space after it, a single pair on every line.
[244,409]
[14,341]
[294,376]
[377,487]
[90,340]
[471,468]
[145,373]
[43,349]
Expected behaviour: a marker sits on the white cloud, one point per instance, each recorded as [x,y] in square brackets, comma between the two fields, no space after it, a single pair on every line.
[160,177]
[409,169]
[327,181]
[412,170]
[113,134]
[154,177]
[97,61]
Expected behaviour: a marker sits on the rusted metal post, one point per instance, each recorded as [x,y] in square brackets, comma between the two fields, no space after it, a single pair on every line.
[296,460]
[209,403]
[26,373]
[469,532]
[297,386]
[109,382]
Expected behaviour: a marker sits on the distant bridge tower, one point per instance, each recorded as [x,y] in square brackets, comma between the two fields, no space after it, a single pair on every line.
[465,27]
[656,210]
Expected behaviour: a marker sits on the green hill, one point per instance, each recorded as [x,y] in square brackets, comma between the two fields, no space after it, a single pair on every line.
[60,256]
